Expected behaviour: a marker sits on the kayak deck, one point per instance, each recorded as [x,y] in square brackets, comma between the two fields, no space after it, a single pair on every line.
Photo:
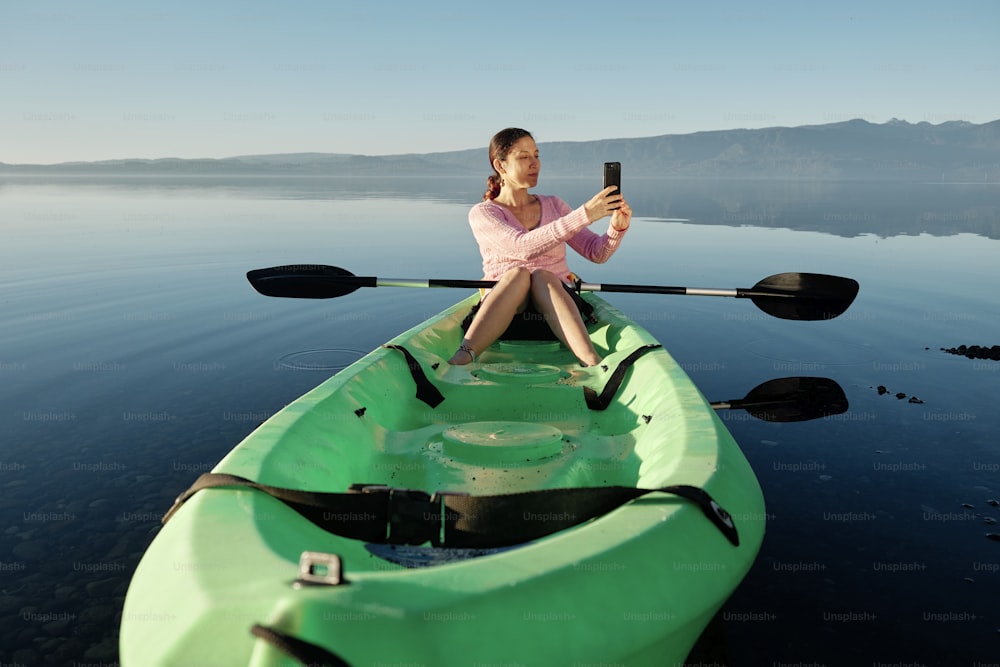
[361,425]
[650,574]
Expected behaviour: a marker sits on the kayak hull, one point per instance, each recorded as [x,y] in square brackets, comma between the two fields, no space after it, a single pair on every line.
[635,586]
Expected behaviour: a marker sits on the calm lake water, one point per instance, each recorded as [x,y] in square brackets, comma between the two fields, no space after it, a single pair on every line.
[134,355]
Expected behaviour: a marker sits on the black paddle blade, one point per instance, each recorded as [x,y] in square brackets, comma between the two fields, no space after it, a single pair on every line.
[803,296]
[793,399]
[306,281]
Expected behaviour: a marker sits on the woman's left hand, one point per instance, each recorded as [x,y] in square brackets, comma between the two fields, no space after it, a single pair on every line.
[622,217]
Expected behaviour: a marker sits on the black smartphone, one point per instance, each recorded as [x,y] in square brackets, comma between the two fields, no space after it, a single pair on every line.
[613,176]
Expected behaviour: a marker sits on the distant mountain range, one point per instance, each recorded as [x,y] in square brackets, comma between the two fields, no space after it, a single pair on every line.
[852,150]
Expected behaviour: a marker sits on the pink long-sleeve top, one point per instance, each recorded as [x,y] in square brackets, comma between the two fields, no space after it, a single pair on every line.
[505,244]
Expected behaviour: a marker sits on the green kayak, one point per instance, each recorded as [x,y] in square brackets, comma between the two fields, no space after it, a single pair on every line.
[522,510]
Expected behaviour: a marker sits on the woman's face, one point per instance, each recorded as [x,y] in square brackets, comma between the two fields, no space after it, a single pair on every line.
[521,166]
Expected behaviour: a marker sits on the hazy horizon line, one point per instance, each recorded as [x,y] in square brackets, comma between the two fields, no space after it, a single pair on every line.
[892,121]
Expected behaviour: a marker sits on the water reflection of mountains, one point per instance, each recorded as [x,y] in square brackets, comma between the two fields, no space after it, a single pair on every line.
[839,208]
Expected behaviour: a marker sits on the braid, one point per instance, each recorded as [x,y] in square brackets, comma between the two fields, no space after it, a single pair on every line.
[492,187]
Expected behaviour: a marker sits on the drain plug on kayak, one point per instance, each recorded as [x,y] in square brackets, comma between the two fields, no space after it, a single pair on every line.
[493,442]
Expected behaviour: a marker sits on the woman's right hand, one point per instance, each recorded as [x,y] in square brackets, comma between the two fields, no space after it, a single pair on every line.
[603,203]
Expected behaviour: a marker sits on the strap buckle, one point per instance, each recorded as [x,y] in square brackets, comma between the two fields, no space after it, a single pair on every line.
[412,516]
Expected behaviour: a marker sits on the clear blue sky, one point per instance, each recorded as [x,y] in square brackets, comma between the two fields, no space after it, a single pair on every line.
[110,79]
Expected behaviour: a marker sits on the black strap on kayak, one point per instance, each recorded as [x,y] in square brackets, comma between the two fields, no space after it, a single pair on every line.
[298,649]
[355,515]
[426,391]
[602,401]
[386,515]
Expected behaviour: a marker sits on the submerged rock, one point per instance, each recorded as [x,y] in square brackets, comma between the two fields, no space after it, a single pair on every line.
[975,351]
[883,390]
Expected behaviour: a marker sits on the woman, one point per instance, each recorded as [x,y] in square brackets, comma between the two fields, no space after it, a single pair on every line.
[522,238]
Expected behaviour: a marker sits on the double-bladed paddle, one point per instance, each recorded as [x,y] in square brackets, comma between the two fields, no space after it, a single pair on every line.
[791,399]
[789,296]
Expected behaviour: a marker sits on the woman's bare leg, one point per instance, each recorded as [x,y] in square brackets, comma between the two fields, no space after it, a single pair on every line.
[562,316]
[505,300]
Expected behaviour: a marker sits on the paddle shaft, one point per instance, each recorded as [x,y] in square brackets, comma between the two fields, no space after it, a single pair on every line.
[660,289]
[371,281]
[740,404]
